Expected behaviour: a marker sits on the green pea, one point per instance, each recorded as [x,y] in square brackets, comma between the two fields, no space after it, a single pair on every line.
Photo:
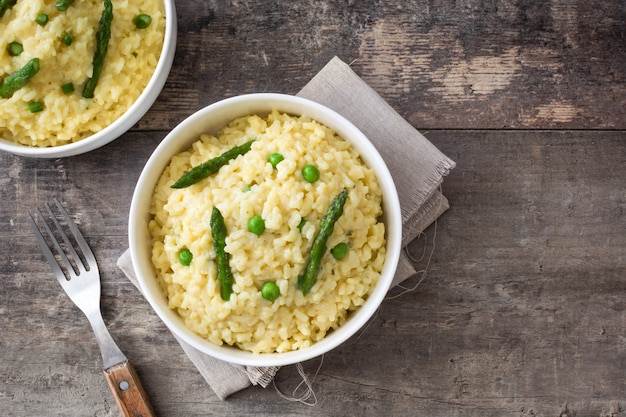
[339,251]
[67,88]
[35,107]
[63,5]
[142,21]
[185,256]
[67,38]
[310,173]
[15,48]
[270,291]
[42,19]
[256,225]
[275,158]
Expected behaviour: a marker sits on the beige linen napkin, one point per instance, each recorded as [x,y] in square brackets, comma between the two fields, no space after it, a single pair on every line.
[416,165]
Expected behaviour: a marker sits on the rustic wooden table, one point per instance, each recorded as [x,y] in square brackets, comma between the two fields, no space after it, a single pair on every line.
[522,311]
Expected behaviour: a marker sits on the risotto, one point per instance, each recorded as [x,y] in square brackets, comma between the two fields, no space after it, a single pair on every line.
[290,205]
[65,43]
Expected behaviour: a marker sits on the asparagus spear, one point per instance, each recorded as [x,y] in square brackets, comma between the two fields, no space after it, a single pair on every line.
[224,274]
[102,45]
[327,225]
[19,78]
[211,166]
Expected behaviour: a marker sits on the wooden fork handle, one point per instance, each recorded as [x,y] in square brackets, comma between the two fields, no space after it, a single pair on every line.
[127,390]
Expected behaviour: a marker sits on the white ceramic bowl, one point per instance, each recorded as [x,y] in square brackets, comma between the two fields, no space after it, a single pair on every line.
[210,119]
[129,118]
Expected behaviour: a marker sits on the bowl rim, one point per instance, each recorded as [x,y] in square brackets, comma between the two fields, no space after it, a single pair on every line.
[181,138]
[132,115]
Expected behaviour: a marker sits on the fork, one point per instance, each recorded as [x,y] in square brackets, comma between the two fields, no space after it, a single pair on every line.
[82,284]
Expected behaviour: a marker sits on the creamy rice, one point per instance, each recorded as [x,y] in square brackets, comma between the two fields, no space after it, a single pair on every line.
[249,186]
[130,62]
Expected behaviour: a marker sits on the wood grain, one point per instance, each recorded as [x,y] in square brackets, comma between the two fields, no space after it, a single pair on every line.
[494,64]
[521,312]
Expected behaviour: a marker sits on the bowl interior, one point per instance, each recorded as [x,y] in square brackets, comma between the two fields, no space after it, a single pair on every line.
[135,112]
[210,119]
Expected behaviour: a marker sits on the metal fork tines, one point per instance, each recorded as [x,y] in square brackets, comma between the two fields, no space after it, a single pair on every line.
[81,282]
[76,269]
